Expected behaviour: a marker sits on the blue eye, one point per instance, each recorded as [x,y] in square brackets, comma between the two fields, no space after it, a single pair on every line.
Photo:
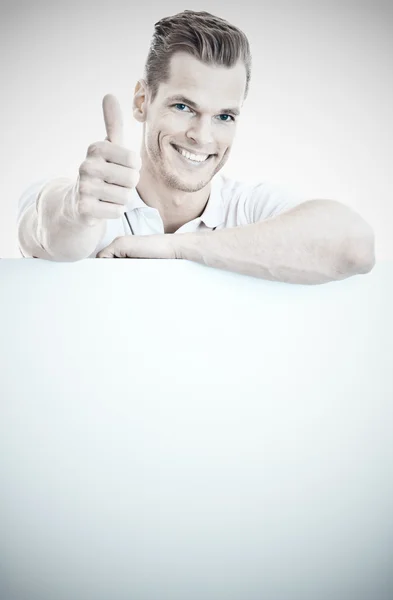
[226,120]
[183,105]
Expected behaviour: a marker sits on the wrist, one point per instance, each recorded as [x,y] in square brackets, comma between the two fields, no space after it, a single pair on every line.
[187,246]
[69,213]
[156,246]
[59,231]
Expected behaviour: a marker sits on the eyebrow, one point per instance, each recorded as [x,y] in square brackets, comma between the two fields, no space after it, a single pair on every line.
[184,100]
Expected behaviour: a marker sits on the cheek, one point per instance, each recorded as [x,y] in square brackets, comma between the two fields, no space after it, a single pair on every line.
[171,123]
[175,124]
[225,136]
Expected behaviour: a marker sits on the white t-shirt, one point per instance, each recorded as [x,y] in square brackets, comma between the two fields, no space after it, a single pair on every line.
[231,204]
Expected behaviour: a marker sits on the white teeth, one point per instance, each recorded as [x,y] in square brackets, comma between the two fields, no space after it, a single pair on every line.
[194,157]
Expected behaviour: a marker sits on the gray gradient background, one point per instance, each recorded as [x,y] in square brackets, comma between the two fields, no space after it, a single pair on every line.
[318,118]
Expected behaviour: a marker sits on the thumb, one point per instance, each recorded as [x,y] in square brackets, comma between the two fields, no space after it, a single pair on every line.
[113,119]
[116,249]
[108,252]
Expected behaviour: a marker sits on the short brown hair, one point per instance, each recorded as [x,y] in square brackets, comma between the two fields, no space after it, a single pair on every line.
[210,39]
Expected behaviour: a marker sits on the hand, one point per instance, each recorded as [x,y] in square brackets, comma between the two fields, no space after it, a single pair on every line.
[108,173]
[141,246]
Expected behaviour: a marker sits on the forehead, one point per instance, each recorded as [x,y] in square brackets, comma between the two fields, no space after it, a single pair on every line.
[207,85]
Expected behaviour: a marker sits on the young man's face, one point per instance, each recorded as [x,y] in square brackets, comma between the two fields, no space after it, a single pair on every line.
[194,112]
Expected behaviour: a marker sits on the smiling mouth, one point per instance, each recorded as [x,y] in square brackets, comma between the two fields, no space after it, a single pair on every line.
[191,157]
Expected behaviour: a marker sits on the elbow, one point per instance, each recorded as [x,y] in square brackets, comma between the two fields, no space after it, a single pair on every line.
[362,256]
[366,264]
[363,267]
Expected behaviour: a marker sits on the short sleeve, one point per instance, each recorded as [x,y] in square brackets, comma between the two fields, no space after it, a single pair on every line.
[267,200]
[249,203]
[29,197]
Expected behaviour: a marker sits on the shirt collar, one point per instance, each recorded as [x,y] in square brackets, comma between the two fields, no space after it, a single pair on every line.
[212,216]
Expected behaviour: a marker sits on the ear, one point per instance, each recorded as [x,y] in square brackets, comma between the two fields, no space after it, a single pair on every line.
[140,101]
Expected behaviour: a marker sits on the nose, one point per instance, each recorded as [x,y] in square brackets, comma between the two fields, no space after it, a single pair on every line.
[201,132]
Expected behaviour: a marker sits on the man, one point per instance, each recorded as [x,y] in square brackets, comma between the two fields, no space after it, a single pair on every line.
[171,202]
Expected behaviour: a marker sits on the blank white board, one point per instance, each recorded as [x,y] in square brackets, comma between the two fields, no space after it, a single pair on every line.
[170,431]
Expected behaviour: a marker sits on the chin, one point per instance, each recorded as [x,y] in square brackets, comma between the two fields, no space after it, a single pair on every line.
[191,183]
[184,185]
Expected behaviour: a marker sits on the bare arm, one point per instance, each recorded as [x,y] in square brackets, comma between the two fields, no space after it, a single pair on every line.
[48,228]
[316,242]
[68,219]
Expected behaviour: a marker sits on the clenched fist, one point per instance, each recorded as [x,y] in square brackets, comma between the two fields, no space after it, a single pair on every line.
[108,173]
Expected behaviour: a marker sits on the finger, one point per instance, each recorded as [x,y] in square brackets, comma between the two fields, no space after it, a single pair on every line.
[107,192]
[107,252]
[120,176]
[113,119]
[115,154]
[116,249]
[109,173]
[98,209]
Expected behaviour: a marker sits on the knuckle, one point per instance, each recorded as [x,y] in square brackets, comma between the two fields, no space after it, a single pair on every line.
[82,208]
[92,167]
[94,149]
[84,168]
[84,187]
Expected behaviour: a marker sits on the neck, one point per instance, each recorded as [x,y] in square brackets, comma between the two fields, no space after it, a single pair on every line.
[175,206]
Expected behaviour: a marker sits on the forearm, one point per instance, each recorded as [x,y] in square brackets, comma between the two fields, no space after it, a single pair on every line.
[315,242]
[49,228]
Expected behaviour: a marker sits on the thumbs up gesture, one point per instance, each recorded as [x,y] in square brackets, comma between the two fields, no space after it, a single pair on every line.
[109,171]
